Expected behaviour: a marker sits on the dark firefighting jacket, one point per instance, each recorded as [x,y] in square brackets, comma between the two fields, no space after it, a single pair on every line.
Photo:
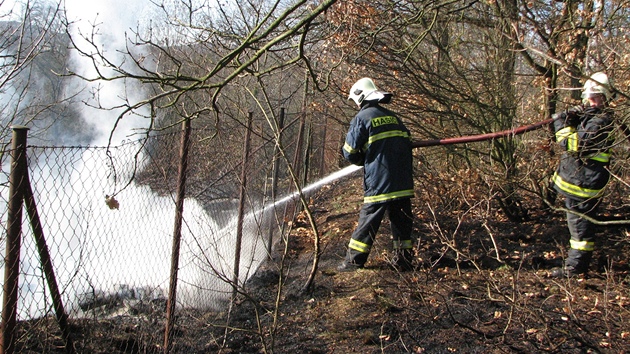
[584,134]
[379,141]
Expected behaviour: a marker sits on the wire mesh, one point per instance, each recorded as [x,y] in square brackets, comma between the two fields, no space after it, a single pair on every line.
[108,214]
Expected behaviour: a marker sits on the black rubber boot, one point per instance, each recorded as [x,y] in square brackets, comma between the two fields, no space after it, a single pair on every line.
[563,273]
[346,266]
[576,264]
[403,260]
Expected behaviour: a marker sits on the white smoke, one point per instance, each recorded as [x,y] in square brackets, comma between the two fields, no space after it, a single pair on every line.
[96,250]
[105,27]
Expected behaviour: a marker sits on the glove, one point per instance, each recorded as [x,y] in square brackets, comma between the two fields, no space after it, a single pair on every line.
[360,161]
[574,115]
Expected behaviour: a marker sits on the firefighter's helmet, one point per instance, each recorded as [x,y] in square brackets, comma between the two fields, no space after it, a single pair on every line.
[365,90]
[597,84]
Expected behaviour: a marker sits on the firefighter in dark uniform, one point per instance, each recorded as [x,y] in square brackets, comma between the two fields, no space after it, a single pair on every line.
[380,142]
[584,134]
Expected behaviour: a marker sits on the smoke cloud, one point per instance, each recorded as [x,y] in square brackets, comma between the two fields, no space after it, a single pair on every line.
[104,26]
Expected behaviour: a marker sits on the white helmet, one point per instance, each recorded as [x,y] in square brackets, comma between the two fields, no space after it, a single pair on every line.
[597,84]
[366,90]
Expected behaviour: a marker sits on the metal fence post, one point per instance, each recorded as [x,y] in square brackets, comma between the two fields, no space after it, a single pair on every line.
[17,177]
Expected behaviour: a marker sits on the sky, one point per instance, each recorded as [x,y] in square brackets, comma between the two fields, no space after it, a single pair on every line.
[123,10]
[116,15]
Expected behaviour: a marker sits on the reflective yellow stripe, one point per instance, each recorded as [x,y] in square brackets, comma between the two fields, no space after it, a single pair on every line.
[575,190]
[403,245]
[582,245]
[388,196]
[359,246]
[377,137]
[389,134]
[601,157]
[564,133]
[570,134]
[349,148]
[385,135]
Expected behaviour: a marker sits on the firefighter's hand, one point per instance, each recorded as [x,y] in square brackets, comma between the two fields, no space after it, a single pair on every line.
[574,115]
[357,158]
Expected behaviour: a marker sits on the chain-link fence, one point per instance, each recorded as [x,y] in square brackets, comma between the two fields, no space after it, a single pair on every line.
[107,217]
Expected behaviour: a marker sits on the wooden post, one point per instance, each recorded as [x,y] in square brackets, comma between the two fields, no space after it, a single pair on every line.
[46,262]
[274,179]
[17,178]
[241,209]
[177,235]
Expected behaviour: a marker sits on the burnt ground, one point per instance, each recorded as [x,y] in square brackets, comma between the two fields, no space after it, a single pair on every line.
[464,296]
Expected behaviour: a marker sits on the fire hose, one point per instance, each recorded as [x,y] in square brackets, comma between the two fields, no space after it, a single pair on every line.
[495,135]
[482,137]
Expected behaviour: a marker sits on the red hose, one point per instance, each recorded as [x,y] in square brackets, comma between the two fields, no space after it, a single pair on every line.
[481,137]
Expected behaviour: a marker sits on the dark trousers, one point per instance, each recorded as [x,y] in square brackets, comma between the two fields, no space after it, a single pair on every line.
[582,233]
[370,217]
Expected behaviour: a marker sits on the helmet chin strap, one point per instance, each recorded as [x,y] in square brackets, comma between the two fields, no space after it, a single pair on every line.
[379,96]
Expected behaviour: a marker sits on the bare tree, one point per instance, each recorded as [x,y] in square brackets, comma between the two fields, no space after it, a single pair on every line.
[461,68]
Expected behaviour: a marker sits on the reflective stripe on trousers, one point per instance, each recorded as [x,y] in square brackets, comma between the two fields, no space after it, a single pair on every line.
[370,217]
[573,189]
[582,241]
